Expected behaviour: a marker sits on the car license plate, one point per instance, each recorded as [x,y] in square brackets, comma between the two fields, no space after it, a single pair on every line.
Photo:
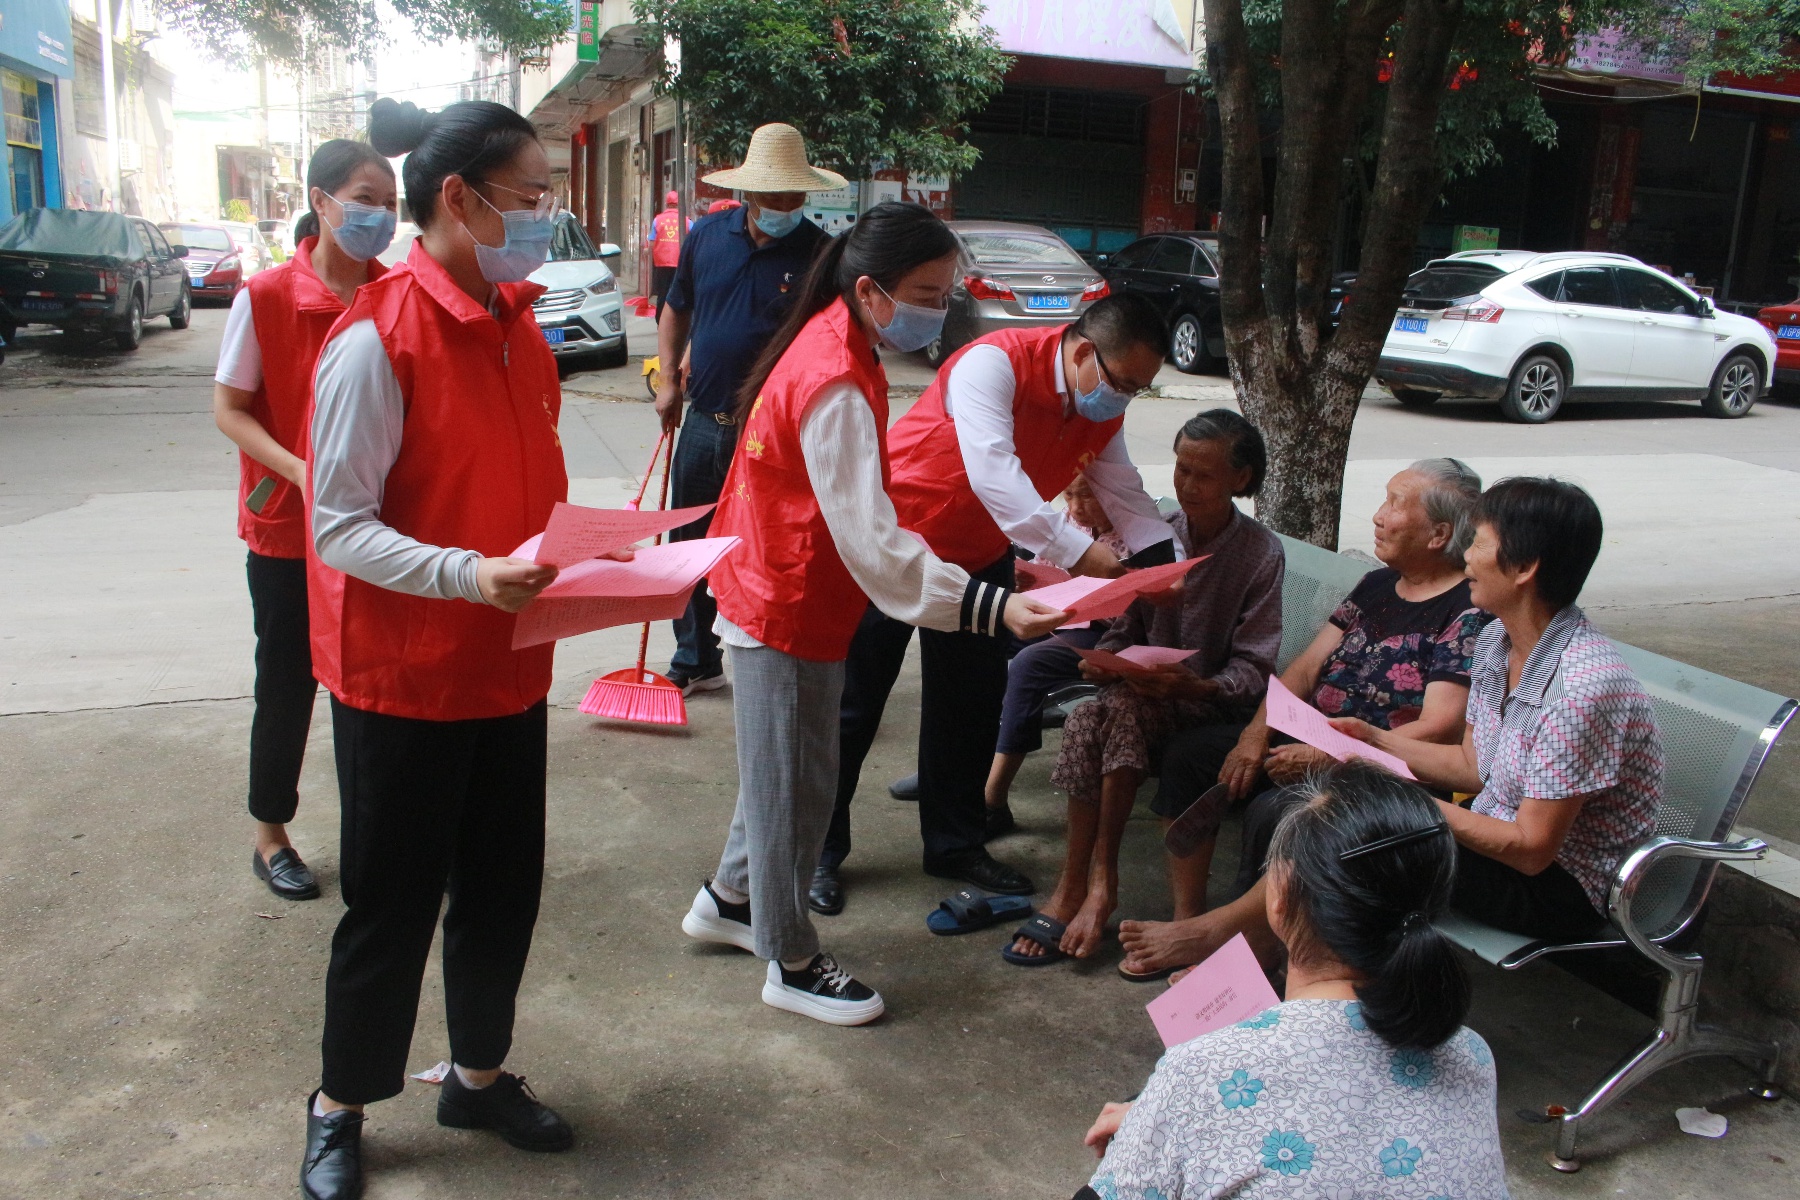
[1051,301]
[555,335]
[1405,324]
[33,305]
[1789,333]
[197,278]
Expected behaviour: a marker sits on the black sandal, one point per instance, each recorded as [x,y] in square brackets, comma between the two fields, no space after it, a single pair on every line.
[1046,932]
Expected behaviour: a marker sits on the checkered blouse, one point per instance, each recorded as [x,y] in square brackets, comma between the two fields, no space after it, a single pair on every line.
[1578,724]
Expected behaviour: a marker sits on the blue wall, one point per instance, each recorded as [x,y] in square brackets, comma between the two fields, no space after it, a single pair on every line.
[35,33]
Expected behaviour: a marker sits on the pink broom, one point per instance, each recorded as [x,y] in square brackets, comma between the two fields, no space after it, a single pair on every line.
[636,694]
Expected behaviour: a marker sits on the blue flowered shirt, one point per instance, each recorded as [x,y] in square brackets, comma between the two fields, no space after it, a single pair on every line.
[1306,1101]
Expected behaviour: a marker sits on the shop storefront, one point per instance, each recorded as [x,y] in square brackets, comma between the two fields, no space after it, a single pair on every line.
[34,55]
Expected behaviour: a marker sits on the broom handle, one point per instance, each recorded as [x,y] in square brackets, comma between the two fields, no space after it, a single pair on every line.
[665,448]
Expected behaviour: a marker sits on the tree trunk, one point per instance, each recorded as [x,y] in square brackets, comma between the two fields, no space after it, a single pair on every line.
[1300,390]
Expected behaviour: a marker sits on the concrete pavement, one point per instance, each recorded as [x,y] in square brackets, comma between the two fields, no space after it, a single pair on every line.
[160,1010]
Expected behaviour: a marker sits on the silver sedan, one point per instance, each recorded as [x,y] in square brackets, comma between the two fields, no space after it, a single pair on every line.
[1012,276]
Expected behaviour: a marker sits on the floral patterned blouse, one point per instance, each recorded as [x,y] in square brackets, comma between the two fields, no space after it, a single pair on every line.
[1393,647]
[1306,1101]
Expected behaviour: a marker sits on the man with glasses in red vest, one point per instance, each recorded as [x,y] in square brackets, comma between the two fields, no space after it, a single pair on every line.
[1004,428]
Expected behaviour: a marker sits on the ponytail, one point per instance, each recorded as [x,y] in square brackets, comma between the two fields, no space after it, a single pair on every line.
[888,243]
[307,226]
[1367,864]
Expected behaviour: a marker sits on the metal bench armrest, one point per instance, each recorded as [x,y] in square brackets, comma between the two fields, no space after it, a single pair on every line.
[1636,868]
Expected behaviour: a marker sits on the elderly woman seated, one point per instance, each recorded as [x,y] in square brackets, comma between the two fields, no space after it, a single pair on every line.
[1396,654]
[1363,1082]
[1561,745]
[1228,613]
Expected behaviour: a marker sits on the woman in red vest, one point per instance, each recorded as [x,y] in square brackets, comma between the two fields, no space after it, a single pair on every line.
[435,453]
[260,394]
[807,492]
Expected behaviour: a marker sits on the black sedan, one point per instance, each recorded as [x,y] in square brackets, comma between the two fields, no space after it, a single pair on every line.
[1179,274]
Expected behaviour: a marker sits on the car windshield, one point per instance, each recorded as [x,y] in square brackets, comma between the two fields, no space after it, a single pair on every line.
[1451,280]
[569,241]
[199,237]
[996,248]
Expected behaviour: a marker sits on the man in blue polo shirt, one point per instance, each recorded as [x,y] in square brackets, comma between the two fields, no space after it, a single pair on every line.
[731,291]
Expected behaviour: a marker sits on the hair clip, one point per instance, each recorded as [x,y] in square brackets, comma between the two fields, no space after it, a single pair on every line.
[1394,840]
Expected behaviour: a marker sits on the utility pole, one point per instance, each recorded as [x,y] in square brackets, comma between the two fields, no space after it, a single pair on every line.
[109,101]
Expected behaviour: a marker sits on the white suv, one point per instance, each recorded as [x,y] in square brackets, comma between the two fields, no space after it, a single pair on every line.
[1533,330]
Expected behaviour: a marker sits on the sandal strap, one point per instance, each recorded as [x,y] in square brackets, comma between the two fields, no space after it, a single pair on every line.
[1045,931]
[966,906]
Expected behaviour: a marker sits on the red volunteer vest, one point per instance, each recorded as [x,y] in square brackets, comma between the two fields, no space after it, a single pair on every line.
[665,250]
[293,311]
[786,586]
[931,488]
[480,468]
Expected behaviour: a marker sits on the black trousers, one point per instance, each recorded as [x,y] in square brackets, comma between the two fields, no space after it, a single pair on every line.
[964,684]
[430,807]
[1551,904]
[661,280]
[284,685]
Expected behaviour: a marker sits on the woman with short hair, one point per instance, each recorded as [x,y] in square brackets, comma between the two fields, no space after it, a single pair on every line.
[1561,747]
[1227,611]
[1363,1081]
[1395,653]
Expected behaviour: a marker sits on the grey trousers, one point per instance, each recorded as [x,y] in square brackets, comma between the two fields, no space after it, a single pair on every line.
[787,750]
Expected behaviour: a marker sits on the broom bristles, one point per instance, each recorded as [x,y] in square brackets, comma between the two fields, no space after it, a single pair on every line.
[620,697]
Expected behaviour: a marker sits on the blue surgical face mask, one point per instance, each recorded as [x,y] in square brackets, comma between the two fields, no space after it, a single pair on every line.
[526,248]
[776,223]
[912,327]
[1104,402]
[363,231]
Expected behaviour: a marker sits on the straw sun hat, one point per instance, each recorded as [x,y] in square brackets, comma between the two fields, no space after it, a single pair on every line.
[776,162]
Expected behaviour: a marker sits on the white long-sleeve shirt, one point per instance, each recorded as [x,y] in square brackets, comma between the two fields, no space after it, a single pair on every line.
[979,399]
[359,414]
[894,569]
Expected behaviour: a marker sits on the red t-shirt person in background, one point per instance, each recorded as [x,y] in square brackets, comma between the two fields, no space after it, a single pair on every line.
[665,248]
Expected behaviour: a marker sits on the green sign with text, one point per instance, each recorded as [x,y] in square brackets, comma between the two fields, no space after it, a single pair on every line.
[587,30]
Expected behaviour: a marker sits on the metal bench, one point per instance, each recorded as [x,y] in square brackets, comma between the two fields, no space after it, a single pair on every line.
[1716,734]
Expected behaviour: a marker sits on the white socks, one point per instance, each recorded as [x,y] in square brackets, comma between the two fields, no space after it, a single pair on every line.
[729,895]
[462,1077]
[797,965]
[317,1111]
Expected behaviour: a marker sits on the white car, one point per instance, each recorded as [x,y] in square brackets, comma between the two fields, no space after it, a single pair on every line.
[1533,330]
[580,311]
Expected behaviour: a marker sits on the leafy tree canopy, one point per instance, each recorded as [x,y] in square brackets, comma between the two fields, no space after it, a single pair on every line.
[287,31]
[867,81]
[1499,45]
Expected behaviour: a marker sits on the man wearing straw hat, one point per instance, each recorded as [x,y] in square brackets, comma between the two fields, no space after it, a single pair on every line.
[730,293]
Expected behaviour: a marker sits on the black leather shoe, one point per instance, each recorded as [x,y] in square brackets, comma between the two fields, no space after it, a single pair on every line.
[1000,822]
[332,1168]
[285,874]
[984,871]
[905,789]
[509,1108]
[826,895]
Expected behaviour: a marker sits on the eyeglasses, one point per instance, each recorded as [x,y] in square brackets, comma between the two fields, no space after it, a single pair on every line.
[1111,380]
[544,204]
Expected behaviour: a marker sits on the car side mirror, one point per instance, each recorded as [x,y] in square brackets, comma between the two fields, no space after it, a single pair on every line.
[178,250]
[1100,260]
[609,250]
[1706,307]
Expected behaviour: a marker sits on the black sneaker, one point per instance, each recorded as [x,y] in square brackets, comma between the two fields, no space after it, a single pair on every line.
[823,991]
[332,1168]
[509,1108]
[689,683]
[713,919]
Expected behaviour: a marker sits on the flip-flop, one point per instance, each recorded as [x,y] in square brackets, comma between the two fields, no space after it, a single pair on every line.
[969,910]
[1146,976]
[1046,932]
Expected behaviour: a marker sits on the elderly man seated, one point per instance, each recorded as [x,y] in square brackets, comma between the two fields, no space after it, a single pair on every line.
[1396,654]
